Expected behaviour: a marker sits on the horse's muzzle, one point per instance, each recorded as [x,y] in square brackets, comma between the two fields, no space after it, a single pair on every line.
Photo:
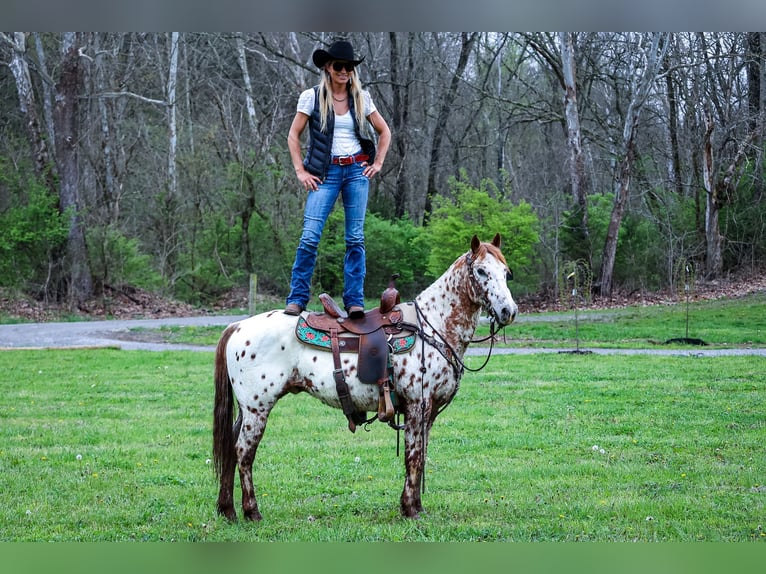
[506,315]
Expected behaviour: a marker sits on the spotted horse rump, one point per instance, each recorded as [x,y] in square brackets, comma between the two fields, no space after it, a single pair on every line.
[267,356]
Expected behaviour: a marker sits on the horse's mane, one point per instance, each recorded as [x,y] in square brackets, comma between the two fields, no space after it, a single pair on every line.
[493,250]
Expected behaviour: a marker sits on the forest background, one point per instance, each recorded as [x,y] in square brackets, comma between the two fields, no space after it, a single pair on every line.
[159,160]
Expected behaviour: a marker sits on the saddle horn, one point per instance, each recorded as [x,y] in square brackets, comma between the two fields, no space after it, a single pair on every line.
[390,297]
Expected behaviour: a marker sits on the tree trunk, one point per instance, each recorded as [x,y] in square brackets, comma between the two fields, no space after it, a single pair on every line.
[755,101]
[65,116]
[719,192]
[646,68]
[441,121]
[674,174]
[622,189]
[44,166]
[248,206]
[577,175]
[172,124]
[401,74]
[249,102]
[111,187]
[47,89]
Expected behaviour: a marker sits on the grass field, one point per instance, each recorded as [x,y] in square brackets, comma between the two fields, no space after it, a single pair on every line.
[719,323]
[108,445]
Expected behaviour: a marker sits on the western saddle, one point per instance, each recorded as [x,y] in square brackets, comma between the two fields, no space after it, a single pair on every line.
[377,335]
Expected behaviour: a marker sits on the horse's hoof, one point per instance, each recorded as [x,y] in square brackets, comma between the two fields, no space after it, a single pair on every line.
[410,513]
[253,516]
[228,514]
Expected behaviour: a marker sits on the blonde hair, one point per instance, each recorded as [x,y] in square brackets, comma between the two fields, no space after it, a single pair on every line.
[325,101]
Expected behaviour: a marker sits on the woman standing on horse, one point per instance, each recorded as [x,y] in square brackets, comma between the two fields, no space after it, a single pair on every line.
[339,160]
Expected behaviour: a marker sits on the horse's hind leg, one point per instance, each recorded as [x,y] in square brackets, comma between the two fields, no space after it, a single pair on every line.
[253,425]
[226,492]
[417,425]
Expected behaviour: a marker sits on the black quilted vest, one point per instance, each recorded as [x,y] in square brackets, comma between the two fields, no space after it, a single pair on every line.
[320,143]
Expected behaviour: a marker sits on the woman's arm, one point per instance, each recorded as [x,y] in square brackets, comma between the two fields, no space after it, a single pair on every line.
[308,181]
[384,141]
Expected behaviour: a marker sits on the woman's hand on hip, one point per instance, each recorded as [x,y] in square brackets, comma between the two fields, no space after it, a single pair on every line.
[371,169]
[309,182]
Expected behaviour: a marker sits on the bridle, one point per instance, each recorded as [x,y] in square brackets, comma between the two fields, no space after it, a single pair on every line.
[440,343]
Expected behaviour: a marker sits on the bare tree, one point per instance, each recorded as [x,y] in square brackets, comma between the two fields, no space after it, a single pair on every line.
[64,162]
[756,73]
[170,100]
[466,44]
[646,67]
[674,168]
[67,130]
[718,192]
[402,66]
[725,114]
[577,173]
[43,161]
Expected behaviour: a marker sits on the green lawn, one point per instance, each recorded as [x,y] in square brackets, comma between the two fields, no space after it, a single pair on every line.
[115,446]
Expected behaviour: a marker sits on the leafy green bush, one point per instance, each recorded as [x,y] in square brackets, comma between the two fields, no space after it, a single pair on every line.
[391,247]
[481,211]
[639,243]
[117,260]
[31,228]
[210,261]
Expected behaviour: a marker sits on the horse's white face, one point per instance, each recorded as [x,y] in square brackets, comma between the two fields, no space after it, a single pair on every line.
[490,276]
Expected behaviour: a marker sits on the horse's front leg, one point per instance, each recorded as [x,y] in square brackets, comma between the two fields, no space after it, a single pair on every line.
[416,427]
[251,432]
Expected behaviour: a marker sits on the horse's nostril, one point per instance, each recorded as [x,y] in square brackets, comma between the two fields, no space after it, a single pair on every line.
[508,315]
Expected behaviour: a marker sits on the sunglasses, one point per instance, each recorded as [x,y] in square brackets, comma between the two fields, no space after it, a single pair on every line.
[338,66]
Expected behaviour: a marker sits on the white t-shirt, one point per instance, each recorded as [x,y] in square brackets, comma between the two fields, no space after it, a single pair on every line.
[344,141]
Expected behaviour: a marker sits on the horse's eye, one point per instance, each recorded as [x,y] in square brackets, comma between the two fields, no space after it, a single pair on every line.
[480,272]
[509,275]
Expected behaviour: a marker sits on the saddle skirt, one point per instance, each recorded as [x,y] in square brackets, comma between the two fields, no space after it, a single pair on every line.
[373,337]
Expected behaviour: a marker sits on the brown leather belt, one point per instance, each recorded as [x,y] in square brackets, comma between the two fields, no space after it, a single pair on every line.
[349,159]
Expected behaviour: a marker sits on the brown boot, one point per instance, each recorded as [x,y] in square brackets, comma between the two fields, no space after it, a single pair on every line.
[293,309]
[356,312]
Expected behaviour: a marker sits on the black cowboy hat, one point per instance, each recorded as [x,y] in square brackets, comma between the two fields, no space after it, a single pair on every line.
[340,50]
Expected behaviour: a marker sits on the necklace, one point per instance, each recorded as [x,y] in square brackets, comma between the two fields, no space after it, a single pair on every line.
[339,100]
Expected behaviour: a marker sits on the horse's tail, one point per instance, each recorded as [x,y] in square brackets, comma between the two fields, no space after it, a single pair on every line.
[223,433]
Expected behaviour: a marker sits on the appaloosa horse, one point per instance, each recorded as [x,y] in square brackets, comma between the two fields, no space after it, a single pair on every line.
[260,359]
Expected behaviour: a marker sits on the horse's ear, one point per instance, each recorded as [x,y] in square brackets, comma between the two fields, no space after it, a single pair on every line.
[496,240]
[475,244]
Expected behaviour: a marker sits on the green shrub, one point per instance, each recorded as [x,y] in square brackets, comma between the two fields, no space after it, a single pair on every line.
[481,211]
[391,247]
[117,260]
[210,260]
[32,230]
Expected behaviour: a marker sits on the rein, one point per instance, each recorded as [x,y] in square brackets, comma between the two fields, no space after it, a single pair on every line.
[458,365]
[446,350]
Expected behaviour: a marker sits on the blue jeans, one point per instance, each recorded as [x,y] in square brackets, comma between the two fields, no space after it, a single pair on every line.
[353,187]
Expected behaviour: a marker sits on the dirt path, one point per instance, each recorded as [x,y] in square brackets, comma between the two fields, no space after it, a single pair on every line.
[119,334]
[113,333]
